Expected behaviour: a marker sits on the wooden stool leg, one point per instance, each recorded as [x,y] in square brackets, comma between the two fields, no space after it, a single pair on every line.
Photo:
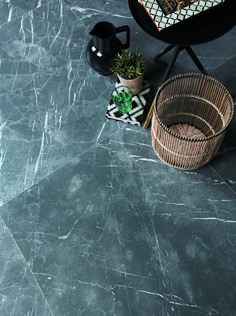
[165,76]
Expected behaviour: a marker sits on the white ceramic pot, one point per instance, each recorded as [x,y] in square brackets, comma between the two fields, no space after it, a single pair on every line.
[135,85]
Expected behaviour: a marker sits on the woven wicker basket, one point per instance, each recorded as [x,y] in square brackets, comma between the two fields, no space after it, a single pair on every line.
[191,114]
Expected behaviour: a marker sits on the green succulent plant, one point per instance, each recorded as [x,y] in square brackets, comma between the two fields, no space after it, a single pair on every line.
[128,65]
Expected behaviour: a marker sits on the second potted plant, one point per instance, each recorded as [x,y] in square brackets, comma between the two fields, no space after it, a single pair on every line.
[129,68]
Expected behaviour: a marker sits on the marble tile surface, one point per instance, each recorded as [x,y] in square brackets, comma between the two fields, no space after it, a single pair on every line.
[103,238]
[91,221]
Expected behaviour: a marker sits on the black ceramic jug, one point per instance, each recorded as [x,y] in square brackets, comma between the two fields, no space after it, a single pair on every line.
[104,45]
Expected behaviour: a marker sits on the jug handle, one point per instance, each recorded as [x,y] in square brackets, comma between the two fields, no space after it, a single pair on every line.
[124,28]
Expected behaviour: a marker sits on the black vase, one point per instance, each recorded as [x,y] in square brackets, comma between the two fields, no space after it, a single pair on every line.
[104,45]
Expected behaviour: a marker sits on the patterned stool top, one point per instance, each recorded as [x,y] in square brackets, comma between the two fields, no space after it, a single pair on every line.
[166,13]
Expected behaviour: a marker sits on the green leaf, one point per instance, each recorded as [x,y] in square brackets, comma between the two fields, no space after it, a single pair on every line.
[128,65]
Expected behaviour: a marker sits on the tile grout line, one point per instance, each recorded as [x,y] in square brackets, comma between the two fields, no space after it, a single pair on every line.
[27,265]
[221,178]
[32,185]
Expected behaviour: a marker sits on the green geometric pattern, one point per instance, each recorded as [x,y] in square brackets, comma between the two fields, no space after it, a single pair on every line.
[163,21]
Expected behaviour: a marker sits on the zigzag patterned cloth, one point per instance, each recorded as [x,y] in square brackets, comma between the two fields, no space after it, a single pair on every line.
[134,117]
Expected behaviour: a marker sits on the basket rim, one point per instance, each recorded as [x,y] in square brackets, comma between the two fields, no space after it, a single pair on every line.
[205,77]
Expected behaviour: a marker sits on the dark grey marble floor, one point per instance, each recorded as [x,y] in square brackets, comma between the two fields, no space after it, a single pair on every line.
[91,221]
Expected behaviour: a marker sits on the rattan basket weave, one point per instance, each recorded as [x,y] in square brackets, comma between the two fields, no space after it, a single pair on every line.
[191,114]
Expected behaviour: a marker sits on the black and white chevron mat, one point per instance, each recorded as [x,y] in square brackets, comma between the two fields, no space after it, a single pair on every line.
[134,117]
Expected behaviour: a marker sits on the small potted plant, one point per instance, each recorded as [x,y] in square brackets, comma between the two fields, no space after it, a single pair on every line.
[129,68]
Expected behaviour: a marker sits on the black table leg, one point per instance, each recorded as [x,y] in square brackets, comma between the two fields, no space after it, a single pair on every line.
[196,60]
[178,48]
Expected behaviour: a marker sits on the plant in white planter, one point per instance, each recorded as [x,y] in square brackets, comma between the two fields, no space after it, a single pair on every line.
[129,68]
